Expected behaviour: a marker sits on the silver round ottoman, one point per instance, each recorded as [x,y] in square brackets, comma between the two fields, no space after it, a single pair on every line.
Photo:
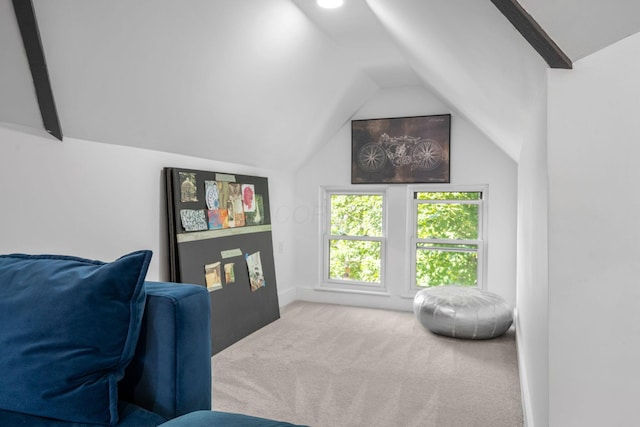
[462,312]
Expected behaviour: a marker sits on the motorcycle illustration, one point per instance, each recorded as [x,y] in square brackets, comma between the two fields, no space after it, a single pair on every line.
[425,154]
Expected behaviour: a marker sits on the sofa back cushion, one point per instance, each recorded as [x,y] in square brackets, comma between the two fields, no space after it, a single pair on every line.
[69,329]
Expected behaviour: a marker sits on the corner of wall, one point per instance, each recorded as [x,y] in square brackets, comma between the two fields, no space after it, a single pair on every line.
[286,297]
[524,383]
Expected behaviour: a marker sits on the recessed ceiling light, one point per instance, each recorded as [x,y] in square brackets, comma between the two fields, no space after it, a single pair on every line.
[330,4]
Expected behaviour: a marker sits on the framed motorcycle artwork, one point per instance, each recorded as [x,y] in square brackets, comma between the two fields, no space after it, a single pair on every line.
[401,150]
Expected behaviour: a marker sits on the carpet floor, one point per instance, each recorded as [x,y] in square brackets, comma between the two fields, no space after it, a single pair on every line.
[327,365]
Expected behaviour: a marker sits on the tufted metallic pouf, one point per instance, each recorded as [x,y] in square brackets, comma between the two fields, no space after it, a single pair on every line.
[462,312]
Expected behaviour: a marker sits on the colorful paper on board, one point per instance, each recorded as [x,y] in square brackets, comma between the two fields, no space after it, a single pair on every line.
[215,220]
[211,195]
[248,198]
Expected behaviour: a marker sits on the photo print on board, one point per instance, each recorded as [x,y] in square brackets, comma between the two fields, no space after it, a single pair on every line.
[235,205]
[223,193]
[229,273]
[212,276]
[188,189]
[254,267]
[256,217]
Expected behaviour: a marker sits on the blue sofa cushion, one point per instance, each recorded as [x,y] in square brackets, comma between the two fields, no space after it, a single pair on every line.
[69,329]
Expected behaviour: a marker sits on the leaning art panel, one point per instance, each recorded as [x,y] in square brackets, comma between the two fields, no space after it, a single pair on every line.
[219,235]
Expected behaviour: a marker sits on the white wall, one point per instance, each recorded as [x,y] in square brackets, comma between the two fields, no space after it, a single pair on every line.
[532,324]
[594,297]
[474,160]
[101,201]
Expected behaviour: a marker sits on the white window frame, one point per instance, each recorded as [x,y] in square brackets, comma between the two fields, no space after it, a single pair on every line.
[351,285]
[481,242]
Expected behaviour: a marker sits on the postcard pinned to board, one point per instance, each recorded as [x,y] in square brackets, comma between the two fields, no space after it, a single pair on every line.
[254,267]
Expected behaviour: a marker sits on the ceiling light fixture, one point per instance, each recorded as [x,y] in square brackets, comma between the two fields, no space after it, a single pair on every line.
[330,4]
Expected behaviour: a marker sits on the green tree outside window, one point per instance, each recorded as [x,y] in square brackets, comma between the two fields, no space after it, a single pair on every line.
[447,229]
[354,219]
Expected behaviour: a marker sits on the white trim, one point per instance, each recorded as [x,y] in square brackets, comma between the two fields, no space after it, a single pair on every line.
[358,238]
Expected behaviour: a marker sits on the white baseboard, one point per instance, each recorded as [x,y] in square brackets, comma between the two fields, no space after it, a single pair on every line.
[358,299]
[286,297]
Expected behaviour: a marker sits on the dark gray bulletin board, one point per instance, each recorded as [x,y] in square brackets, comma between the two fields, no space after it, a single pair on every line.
[236,309]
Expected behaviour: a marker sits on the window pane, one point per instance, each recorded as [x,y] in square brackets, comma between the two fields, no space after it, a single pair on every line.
[435,268]
[445,195]
[447,221]
[355,260]
[356,215]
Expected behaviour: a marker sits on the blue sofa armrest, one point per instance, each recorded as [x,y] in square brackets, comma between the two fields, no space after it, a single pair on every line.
[171,371]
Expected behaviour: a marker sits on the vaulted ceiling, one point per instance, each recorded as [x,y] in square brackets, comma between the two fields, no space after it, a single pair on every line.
[266,82]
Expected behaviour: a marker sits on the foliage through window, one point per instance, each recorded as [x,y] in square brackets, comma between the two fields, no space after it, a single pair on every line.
[447,241]
[355,238]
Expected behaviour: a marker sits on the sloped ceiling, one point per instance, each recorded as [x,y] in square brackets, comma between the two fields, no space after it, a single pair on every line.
[266,82]
[582,27]
[252,82]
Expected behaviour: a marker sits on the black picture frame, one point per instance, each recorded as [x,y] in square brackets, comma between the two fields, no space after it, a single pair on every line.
[401,150]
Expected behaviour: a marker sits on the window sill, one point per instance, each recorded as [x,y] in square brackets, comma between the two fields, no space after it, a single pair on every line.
[328,288]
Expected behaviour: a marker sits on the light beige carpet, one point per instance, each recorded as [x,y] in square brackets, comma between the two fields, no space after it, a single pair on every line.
[332,366]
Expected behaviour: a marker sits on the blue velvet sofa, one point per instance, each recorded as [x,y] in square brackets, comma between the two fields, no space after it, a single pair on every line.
[88,343]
